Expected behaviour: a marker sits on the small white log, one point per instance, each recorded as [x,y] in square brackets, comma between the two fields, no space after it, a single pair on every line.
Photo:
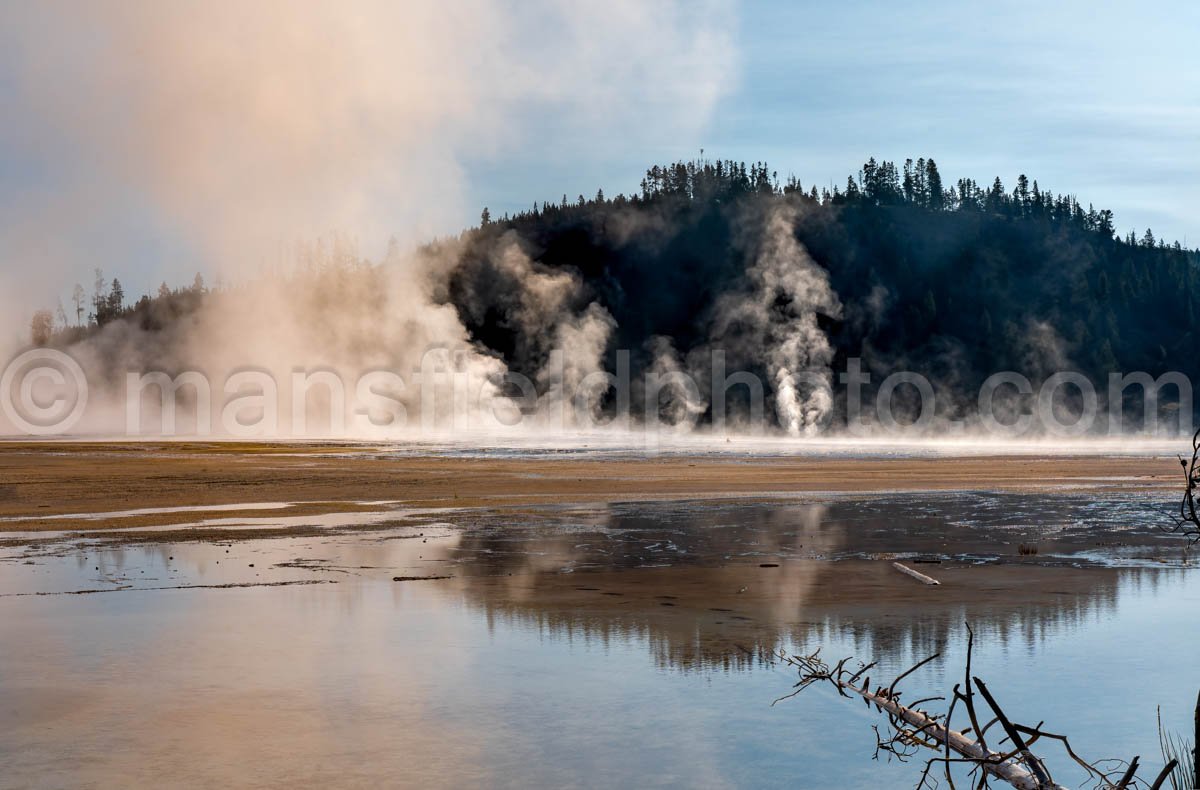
[915,574]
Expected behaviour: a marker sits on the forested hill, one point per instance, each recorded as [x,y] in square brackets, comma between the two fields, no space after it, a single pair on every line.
[955,281]
[951,280]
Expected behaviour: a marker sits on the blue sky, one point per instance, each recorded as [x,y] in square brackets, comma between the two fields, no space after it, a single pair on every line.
[153,140]
[1098,99]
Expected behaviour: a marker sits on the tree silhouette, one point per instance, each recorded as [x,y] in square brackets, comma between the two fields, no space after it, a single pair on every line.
[78,297]
[41,327]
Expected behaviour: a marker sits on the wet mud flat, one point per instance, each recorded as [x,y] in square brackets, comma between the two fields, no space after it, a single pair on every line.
[756,566]
[139,484]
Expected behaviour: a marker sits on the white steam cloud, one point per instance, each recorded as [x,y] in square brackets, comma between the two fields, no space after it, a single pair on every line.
[155,139]
[775,319]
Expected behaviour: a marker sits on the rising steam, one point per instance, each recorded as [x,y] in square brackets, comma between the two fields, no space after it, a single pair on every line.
[166,138]
[226,132]
[774,317]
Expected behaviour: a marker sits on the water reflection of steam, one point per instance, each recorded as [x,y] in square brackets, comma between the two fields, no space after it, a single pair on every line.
[686,580]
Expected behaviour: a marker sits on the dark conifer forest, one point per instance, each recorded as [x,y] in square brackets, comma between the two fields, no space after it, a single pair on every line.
[955,280]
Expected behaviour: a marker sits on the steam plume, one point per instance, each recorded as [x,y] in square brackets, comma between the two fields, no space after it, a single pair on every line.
[776,315]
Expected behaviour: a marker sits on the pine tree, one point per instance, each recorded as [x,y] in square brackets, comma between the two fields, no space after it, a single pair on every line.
[77,297]
[933,181]
[995,196]
[41,328]
[98,296]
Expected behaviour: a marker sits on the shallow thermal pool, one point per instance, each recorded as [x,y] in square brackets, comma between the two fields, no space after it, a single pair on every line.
[593,645]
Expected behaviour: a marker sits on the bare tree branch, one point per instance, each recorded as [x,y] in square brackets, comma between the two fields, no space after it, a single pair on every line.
[1187,520]
[910,730]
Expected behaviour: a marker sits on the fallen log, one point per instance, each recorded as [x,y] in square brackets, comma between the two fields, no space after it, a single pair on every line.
[1004,766]
[915,574]
[912,730]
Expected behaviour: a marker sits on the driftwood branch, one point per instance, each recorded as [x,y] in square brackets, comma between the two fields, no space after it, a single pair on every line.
[1164,774]
[1187,521]
[915,574]
[911,730]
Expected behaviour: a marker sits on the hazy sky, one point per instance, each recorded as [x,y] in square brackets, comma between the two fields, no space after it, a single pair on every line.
[155,139]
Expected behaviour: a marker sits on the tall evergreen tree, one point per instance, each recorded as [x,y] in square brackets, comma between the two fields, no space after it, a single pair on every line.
[933,181]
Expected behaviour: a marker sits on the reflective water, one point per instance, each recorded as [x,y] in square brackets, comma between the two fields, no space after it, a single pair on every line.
[600,646]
